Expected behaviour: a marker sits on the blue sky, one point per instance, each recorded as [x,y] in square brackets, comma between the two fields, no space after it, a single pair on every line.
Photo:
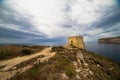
[52,21]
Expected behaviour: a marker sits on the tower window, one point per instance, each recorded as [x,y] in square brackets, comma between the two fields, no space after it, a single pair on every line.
[71,42]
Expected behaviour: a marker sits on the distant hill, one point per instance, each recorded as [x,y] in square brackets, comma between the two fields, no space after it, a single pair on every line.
[72,64]
[111,40]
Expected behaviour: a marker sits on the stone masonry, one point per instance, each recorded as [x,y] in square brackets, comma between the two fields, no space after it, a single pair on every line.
[76,41]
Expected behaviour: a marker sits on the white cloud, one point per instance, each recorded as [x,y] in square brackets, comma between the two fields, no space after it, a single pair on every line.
[9,26]
[48,15]
[94,32]
[88,11]
[43,11]
[111,31]
[116,26]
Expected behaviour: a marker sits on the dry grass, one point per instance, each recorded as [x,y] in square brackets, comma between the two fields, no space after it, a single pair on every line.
[102,67]
[11,51]
[60,63]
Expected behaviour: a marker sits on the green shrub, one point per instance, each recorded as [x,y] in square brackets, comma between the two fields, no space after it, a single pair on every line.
[70,71]
[33,73]
[63,61]
[66,65]
[57,48]
[27,51]
[4,54]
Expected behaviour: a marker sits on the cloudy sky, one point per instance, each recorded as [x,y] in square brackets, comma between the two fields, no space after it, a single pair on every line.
[52,21]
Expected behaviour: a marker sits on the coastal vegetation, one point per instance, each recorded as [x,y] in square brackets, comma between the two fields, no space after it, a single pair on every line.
[11,51]
[67,65]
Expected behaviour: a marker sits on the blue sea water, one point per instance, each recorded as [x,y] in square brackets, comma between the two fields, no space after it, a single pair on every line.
[109,50]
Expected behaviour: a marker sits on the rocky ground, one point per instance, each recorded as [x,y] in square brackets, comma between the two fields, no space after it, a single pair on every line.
[61,63]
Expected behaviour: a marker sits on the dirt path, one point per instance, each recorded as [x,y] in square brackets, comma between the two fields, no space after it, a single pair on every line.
[9,64]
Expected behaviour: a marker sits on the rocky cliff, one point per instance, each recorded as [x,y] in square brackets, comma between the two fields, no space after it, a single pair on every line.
[73,64]
[112,40]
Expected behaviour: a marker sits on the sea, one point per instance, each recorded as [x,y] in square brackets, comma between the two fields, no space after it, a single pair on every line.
[109,50]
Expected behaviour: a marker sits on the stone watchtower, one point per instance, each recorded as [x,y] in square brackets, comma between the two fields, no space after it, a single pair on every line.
[76,41]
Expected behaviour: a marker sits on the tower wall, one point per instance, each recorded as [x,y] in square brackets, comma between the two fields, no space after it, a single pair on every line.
[76,41]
